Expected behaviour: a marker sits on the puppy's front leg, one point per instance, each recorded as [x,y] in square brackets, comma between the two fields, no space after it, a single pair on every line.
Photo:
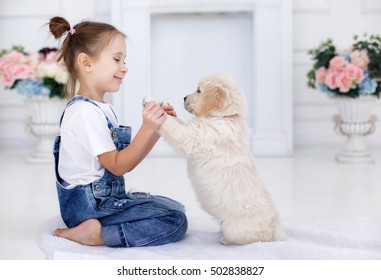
[178,135]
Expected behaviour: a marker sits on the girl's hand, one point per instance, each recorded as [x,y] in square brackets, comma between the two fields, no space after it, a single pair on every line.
[169,110]
[153,116]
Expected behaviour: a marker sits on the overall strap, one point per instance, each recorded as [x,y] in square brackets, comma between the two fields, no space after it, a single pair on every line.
[79,98]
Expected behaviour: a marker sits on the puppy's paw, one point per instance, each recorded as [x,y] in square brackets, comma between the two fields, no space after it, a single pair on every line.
[147,99]
[163,103]
[223,241]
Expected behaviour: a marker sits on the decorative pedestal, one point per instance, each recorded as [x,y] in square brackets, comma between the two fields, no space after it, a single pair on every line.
[355,122]
[45,114]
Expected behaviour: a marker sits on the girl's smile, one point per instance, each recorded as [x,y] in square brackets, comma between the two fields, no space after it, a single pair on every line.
[118,79]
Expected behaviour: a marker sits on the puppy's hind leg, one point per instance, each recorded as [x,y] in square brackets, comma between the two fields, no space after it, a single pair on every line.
[243,230]
[279,233]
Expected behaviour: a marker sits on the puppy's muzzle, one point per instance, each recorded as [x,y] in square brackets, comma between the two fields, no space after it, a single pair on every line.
[186,105]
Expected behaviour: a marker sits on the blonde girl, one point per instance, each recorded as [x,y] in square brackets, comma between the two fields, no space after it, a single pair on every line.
[93,152]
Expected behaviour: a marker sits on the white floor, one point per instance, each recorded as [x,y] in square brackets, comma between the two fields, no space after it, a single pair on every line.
[309,184]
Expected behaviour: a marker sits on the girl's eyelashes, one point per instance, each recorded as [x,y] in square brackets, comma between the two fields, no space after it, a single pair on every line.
[198,90]
[118,60]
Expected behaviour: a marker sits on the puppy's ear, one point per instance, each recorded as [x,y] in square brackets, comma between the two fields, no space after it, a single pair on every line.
[212,100]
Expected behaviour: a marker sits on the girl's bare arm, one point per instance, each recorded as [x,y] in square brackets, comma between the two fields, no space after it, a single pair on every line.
[119,163]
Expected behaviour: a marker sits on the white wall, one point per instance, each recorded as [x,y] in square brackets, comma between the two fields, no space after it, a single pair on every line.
[313,21]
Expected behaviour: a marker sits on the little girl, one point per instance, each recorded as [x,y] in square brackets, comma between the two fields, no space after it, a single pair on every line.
[93,151]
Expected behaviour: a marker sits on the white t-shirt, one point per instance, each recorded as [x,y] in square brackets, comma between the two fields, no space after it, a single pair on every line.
[84,136]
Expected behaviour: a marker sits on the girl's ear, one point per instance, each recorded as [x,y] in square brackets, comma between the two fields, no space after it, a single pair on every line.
[84,62]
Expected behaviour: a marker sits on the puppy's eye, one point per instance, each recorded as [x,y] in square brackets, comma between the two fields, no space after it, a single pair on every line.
[198,90]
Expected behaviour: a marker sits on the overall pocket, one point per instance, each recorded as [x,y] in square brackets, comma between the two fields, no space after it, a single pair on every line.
[110,196]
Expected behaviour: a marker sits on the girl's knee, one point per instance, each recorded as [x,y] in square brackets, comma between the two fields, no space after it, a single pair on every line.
[182,221]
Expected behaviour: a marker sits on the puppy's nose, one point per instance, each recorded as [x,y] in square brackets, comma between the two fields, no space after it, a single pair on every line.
[185,98]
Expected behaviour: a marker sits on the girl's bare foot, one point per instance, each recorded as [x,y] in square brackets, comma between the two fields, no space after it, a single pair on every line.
[86,233]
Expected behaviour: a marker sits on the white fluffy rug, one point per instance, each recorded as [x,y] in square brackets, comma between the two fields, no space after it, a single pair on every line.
[313,239]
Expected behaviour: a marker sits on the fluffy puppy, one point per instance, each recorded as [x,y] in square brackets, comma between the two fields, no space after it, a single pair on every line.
[220,164]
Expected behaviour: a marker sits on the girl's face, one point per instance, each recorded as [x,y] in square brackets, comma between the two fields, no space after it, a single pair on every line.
[109,68]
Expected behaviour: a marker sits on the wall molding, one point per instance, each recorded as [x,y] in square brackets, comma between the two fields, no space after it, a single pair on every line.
[311,6]
[371,6]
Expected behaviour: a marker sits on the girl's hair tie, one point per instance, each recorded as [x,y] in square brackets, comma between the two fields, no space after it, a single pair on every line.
[71,31]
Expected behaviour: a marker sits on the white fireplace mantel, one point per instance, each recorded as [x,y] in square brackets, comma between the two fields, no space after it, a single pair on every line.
[267,79]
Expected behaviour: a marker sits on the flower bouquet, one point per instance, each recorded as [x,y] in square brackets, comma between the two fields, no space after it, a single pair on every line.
[33,74]
[353,72]
[352,77]
[40,79]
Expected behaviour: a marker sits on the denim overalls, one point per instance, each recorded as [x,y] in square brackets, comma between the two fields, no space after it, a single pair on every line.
[127,219]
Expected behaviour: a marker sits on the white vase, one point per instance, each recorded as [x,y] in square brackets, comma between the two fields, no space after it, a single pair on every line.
[355,121]
[45,114]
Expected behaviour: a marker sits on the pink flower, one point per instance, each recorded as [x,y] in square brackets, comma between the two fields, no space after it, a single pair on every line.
[337,64]
[354,73]
[320,75]
[341,74]
[344,83]
[7,73]
[359,75]
[21,71]
[16,65]
[6,79]
[330,79]
[350,72]
[12,71]
[13,57]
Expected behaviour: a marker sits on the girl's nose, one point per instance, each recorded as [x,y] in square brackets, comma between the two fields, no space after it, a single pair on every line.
[124,69]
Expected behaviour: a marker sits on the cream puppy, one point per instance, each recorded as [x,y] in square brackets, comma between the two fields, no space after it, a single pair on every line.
[220,164]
